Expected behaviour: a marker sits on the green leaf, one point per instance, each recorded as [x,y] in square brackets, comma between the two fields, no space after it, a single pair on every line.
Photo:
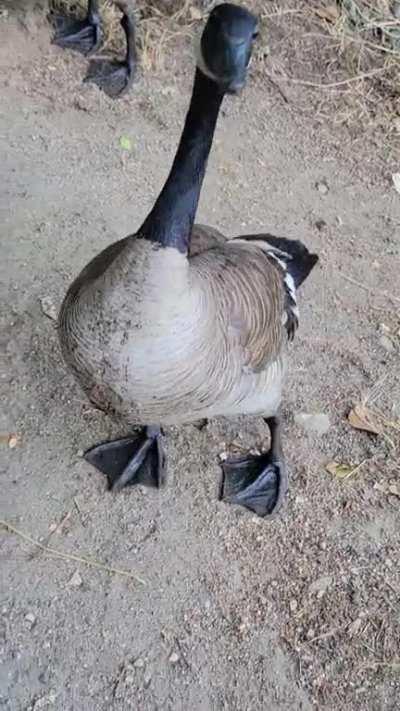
[341,471]
[125,143]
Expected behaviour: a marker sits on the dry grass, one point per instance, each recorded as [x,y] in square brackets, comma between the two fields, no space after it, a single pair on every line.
[345,56]
[339,60]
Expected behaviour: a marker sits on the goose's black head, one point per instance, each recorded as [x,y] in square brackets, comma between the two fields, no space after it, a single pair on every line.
[226,45]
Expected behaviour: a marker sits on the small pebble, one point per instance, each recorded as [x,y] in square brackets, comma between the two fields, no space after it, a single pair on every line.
[317,422]
[386,343]
[48,308]
[13,440]
[322,187]
[293,605]
[384,328]
[321,225]
[174,658]
[147,679]
[139,663]
[30,618]
[76,580]
[321,585]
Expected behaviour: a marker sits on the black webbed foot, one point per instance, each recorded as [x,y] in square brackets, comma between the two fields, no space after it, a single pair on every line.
[113,77]
[132,460]
[83,36]
[258,483]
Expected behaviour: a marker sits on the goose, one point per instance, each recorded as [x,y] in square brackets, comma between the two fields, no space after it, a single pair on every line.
[176,323]
[86,36]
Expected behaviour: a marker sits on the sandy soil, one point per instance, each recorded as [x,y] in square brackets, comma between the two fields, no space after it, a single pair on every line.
[297,613]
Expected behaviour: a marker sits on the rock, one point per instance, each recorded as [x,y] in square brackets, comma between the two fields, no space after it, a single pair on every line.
[293,605]
[147,680]
[386,343]
[321,225]
[76,580]
[174,658]
[355,627]
[317,422]
[195,13]
[396,409]
[48,308]
[322,187]
[139,663]
[30,619]
[14,440]
[43,702]
[396,181]
[321,585]
[384,328]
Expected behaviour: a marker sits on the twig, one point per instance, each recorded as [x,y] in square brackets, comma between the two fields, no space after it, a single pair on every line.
[331,633]
[79,512]
[280,13]
[373,45]
[384,294]
[57,529]
[390,665]
[333,84]
[357,468]
[278,88]
[70,556]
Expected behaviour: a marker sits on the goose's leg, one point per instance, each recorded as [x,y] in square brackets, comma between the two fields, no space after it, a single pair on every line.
[139,459]
[115,77]
[85,36]
[259,482]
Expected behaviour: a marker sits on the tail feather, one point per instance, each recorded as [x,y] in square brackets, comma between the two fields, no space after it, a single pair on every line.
[298,260]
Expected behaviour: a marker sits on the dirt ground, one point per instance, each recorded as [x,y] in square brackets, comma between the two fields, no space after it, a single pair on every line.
[301,612]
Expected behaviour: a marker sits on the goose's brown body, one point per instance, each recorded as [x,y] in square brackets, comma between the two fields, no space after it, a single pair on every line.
[157,338]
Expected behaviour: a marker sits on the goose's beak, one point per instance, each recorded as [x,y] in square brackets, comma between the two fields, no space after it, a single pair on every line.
[233,65]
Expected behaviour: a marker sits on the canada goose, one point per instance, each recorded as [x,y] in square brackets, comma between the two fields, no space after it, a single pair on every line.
[175,323]
[86,36]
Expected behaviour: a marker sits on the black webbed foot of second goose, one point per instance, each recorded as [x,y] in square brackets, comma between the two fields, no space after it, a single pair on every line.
[84,36]
[80,36]
[132,460]
[257,482]
[115,77]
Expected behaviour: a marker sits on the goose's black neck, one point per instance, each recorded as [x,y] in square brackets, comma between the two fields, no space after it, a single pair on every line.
[171,220]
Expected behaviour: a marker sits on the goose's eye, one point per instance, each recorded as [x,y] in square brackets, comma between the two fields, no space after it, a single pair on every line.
[255,34]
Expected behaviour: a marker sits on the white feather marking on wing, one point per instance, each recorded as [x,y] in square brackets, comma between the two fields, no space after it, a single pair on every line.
[289,281]
[265,246]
